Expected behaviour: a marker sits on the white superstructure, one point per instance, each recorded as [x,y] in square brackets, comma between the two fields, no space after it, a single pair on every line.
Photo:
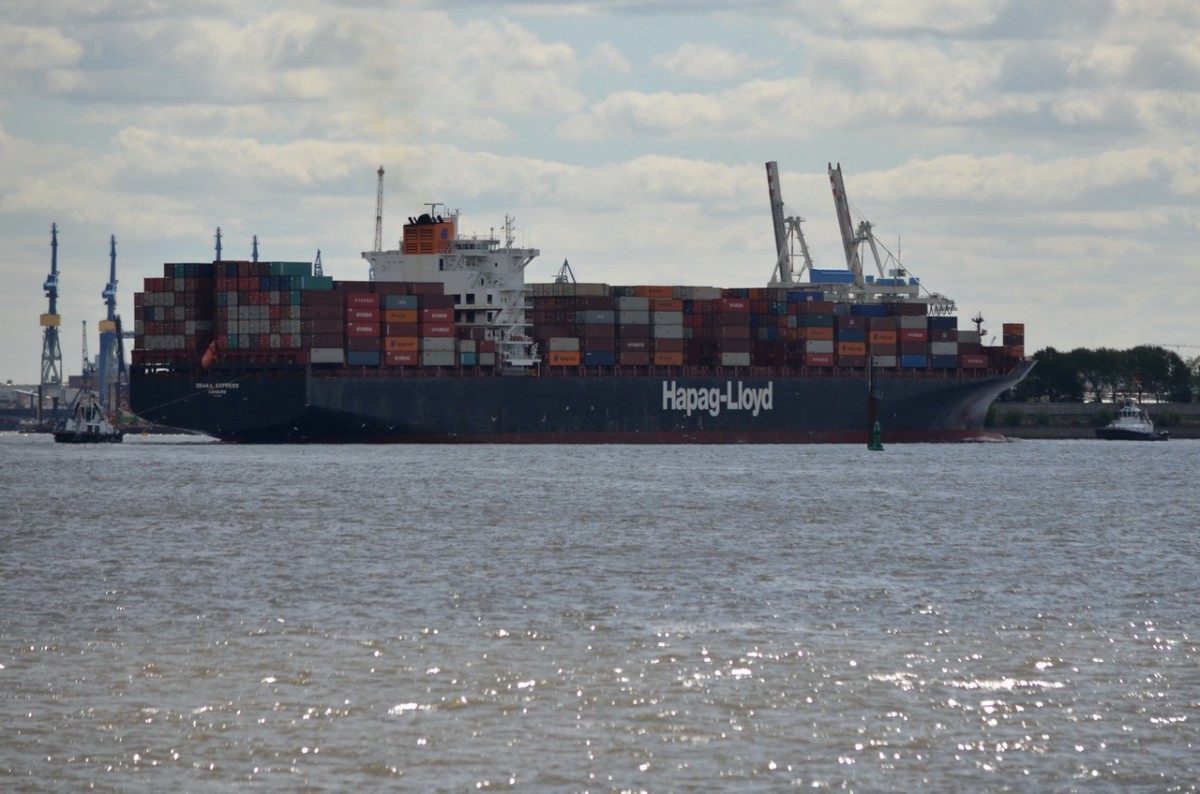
[484,275]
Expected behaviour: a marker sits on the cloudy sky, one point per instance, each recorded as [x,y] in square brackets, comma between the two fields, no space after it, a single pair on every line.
[1036,161]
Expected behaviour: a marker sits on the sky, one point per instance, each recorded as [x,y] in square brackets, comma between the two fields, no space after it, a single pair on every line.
[1037,162]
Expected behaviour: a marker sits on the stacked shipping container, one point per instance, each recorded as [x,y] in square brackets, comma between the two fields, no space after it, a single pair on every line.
[248,309]
[597,325]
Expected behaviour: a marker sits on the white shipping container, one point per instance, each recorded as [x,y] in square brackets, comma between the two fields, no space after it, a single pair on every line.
[327,355]
[667,332]
[943,348]
[564,344]
[908,321]
[818,346]
[885,361]
[668,318]
[633,304]
[633,317]
[438,344]
[437,358]
[968,337]
[735,359]
[487,359]
[466,345]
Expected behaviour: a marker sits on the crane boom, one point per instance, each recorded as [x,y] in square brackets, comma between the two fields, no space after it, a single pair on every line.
[783,262]
[850,240]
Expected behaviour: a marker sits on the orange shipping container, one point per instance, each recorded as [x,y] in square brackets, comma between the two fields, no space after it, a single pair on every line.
[400,316]
[400,344]
[852,349]
[1013,328]
[666,305]
[564,358]
[882,337]
[817,334]
[668,359]
[654,292]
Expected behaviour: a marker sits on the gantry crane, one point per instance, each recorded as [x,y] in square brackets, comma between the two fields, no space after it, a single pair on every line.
[51,384]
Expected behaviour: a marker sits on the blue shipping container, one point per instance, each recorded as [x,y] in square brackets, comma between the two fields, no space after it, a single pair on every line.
[868,309]
[599,359]
[914,360]
[852,334]
[944,362]
[942,323]
[362,358]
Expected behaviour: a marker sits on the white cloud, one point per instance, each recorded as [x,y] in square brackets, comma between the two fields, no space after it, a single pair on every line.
[704,62]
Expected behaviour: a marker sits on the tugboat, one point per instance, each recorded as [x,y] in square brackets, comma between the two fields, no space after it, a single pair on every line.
[86,423]
[1132,424]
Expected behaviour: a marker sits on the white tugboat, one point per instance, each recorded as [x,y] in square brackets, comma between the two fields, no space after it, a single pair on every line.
[1132,424]
[86,423]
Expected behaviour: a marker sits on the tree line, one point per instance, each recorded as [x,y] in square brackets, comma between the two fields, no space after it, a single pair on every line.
[1146,373]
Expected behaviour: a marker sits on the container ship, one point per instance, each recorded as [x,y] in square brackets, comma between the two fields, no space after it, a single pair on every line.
[445,342]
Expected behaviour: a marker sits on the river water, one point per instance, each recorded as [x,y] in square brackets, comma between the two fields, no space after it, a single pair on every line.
[178,615]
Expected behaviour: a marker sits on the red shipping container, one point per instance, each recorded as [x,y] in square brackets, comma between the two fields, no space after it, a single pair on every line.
[439,316]
[973,361]
[362,314]
[362,329]
[627,358]
[401,359]
[818,360]
[437,330]
[731,306]
[914,335]
[364,343]
[364,300]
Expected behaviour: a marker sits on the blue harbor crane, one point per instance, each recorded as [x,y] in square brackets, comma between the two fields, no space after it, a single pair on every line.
[110,365]
[51,384]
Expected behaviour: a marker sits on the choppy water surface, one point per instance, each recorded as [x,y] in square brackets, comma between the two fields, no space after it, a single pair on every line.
[191,616]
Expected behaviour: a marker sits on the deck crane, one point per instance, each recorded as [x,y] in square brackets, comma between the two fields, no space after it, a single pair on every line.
[51,384]
[110,364]
[378,221]
[894,286]
[565,274]
[787,233]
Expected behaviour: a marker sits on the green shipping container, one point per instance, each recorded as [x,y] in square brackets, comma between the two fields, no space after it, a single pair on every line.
[317,283]
[290,268]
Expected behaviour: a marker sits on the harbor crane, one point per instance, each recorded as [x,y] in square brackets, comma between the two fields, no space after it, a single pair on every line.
[110,364]
[378,222]
[51,385]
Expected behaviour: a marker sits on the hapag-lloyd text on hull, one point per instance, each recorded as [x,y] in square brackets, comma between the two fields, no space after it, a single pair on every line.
[736,396]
